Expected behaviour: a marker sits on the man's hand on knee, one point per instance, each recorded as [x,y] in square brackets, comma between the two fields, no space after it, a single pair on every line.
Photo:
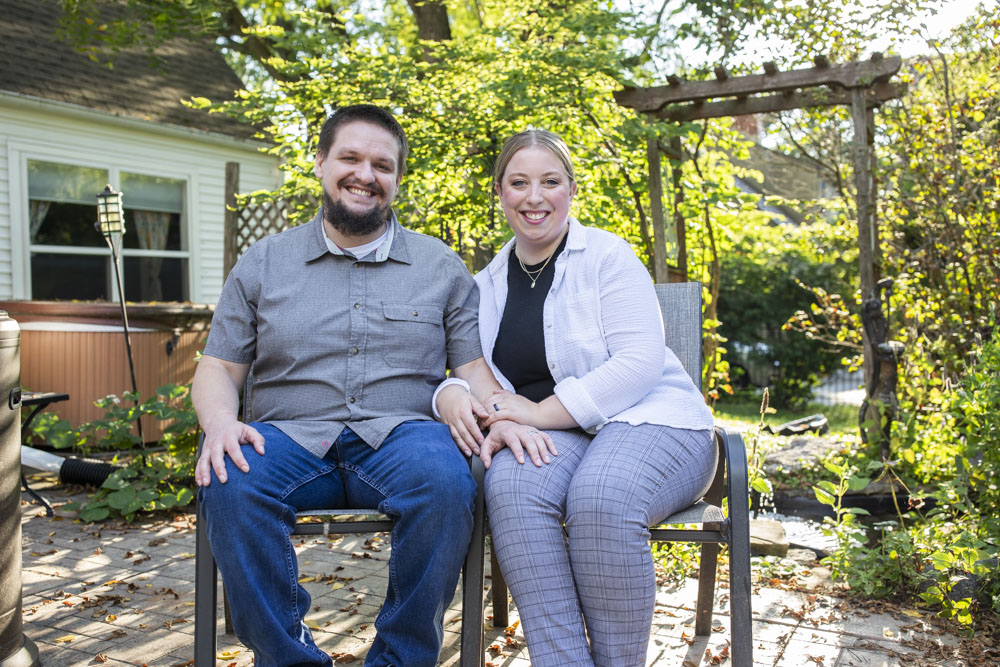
[225,441]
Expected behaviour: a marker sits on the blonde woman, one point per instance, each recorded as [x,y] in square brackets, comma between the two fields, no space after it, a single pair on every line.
[571,327]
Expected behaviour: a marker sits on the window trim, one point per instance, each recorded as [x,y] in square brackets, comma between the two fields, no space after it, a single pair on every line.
[21,247]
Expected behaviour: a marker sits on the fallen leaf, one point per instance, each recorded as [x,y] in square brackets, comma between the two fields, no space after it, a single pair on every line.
[155,542]
[336,585]
[115,634]
[311,624]
[227,655]
[65,639]
[100,657]
[912,612]
[110,618]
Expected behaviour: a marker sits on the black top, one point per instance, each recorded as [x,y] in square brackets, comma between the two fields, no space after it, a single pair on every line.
[519,352]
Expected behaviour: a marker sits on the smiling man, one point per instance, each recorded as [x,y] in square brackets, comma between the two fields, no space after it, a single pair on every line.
[345,326]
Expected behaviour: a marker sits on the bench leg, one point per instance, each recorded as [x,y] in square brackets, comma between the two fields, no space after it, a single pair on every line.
[501,619]
[706,588]
[205,601]
[227,613]
[473,654]
[739,593]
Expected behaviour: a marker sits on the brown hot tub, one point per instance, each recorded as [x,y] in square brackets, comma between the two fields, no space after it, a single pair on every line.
[78,348]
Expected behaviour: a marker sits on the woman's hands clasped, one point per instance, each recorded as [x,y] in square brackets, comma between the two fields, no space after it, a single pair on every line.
[466,417]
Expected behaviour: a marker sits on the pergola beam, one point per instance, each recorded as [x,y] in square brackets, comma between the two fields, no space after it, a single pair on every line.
[679,113]
[846,75]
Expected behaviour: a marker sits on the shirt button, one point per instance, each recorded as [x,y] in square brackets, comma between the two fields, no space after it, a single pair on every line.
[354,350]
[414,313]
[548,325]
[356,306]
[350,400]
[357,264]
[552,366]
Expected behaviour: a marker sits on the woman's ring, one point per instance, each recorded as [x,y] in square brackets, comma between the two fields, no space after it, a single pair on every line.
[496,408]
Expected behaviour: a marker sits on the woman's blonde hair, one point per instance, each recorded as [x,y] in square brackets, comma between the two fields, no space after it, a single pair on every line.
[533,137]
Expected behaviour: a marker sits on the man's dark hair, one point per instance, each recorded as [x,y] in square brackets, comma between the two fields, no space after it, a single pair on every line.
[365,113]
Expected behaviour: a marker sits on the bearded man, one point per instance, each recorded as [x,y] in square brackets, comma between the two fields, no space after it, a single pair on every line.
[345,326]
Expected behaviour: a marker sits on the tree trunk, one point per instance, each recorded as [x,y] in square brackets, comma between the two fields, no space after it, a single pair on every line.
[432,20]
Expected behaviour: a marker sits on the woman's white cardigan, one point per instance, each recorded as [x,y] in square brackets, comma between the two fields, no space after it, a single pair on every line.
[603,336]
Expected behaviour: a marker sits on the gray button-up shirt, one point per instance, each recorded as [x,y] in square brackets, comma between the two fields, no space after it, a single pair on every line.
[335,341]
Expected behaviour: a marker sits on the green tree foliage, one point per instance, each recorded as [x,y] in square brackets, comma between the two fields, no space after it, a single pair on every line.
[494,70]
[765,276]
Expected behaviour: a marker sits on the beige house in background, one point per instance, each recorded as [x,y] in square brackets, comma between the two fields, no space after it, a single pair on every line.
[68,126]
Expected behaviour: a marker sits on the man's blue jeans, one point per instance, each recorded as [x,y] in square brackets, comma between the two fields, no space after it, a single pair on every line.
[418,477]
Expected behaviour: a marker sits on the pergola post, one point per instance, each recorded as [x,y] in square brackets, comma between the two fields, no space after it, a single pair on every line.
[660,271]
[230,252]
[865,190]
[677,174]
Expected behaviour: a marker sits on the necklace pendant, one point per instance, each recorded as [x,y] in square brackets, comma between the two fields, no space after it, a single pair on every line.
[532,284]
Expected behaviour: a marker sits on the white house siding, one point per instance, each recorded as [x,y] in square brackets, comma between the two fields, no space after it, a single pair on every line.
[31,129]
[5,246]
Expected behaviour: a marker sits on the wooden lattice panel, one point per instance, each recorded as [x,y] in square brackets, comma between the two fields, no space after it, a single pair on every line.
[256,221]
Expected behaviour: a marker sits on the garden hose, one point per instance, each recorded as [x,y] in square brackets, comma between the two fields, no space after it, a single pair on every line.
[70,470]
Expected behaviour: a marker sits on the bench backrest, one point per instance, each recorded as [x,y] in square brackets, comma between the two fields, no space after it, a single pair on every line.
[680,304]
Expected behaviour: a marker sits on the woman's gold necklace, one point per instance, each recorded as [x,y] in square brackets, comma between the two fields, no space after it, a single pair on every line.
[537,272]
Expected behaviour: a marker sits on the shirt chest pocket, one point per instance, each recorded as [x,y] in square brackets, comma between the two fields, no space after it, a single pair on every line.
[412,335]
[580,319]
[580,332]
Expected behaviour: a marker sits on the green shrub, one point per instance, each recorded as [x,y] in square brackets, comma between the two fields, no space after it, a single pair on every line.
[948,555]
[151,480]
[759,294]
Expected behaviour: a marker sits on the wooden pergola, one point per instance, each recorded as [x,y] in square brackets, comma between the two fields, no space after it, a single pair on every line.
[861,85]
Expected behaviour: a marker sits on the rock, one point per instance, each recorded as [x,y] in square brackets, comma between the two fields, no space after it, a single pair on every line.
[818,578]
[817,424]
[799,452]
[767,538]
[802,556]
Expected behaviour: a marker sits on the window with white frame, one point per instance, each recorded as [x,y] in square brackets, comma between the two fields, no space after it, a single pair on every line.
[69,259]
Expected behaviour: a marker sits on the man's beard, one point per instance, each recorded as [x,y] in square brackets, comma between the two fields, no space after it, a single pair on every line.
[350,223]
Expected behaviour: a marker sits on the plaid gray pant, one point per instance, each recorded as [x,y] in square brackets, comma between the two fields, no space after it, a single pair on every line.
[607,490]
